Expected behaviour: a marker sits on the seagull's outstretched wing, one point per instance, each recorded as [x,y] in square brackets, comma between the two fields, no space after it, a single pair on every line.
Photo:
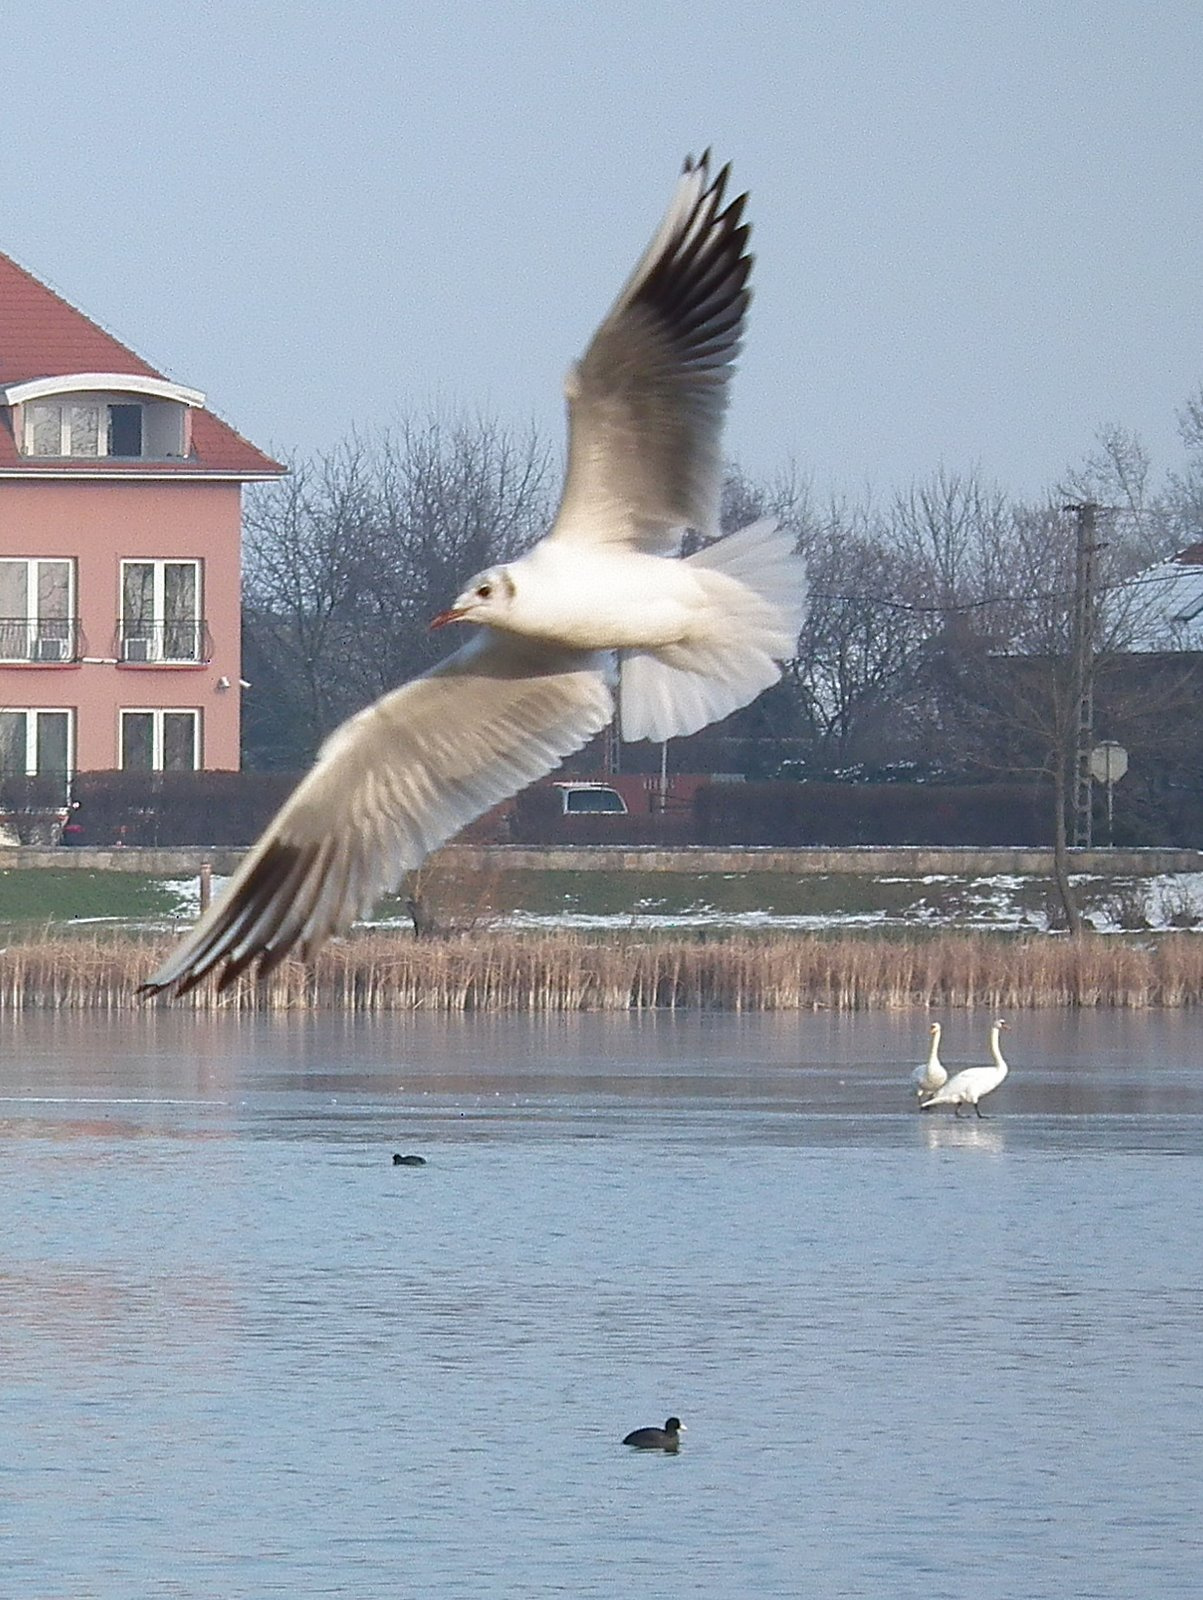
[390,785]
[646,401]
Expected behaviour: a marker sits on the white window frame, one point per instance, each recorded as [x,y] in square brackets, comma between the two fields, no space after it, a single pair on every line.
[31,715]
[155,645]
[102,403]
[157,713]
[33,618]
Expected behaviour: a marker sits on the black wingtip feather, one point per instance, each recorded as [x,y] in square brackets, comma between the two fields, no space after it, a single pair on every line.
[250,903]
[698,288]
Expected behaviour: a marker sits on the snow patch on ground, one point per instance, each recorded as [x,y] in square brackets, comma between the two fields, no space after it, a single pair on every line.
[1000,902]
[654,921]
[187,894]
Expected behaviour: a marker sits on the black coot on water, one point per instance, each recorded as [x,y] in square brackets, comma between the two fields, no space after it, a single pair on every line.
[664,1438]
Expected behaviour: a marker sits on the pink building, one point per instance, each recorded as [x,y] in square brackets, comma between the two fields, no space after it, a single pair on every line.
[120,523]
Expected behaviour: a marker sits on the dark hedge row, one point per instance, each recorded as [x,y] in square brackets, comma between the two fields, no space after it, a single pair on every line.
[787,813]
[860,813]
[175,808]
[232,808]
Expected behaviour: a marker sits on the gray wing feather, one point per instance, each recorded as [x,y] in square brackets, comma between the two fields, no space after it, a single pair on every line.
[389,786]
[647,400]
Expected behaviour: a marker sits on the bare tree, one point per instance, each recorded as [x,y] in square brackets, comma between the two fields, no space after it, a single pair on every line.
[1184,488]
[310,547]
[1019,673]
[349,557]
[950,528]
[784,496]
[1117,475]
[858,642]
[1012,666]
[452,498]
[838,695]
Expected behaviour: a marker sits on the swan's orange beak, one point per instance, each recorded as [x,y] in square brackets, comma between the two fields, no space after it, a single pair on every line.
[455,614]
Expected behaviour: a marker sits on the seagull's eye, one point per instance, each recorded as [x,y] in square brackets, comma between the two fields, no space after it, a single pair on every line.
[484,591]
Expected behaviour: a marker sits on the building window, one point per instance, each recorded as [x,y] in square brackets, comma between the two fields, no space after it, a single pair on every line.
[160,741]
[37,610]
[125,430]
[160,612]
[83,427]
[36,744]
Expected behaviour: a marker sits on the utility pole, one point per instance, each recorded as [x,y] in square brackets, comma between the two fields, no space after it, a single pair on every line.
[612,749]
[1082,668]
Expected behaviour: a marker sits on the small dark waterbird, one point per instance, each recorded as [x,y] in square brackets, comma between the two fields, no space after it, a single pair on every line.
[665,1438]
[407,1161]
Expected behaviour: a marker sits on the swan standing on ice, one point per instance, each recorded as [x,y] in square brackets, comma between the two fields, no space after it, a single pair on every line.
[930,1074]
[967,1088]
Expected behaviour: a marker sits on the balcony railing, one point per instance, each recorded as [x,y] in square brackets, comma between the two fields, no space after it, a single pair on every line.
[44,641]
[163,642]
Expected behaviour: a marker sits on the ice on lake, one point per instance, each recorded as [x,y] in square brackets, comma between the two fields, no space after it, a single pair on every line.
[245,1354]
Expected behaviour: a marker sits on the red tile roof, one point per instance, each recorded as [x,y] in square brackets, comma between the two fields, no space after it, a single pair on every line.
[42,336]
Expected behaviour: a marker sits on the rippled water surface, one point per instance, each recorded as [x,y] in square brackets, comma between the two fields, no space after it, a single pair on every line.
[243,1354]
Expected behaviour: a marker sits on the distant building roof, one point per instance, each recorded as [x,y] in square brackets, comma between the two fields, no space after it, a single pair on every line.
[43,337]
[1168,600]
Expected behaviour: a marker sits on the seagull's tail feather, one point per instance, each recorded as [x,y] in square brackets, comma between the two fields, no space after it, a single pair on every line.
[755,588]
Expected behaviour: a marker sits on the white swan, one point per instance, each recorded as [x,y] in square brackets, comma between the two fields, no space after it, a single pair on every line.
[967,1088]
[930,1074]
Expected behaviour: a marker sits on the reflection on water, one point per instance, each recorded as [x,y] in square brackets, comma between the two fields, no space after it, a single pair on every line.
[246,1355]
[954,1133]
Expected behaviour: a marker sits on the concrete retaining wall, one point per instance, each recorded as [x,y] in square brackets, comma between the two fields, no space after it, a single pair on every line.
[877,860]
[177,863]
[865,861]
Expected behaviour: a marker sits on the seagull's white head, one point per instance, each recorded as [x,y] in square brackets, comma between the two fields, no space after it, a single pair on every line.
[487,598]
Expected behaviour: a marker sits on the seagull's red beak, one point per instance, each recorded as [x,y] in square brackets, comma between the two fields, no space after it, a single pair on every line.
[444,617]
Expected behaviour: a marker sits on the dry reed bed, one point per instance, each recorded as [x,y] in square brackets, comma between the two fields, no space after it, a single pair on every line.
[567,972]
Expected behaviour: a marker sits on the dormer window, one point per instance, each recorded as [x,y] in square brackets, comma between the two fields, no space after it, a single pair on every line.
[87,428]
[95,415]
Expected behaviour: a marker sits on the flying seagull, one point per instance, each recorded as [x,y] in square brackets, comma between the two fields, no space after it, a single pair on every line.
[601,613]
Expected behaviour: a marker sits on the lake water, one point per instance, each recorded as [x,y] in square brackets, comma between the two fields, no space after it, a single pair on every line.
[244,1355]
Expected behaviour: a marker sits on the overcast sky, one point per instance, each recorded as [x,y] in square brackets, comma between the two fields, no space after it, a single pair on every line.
[977,225]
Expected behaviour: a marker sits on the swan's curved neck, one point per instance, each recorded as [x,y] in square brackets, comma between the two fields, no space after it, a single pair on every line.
[933,1055]
[995,1050]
